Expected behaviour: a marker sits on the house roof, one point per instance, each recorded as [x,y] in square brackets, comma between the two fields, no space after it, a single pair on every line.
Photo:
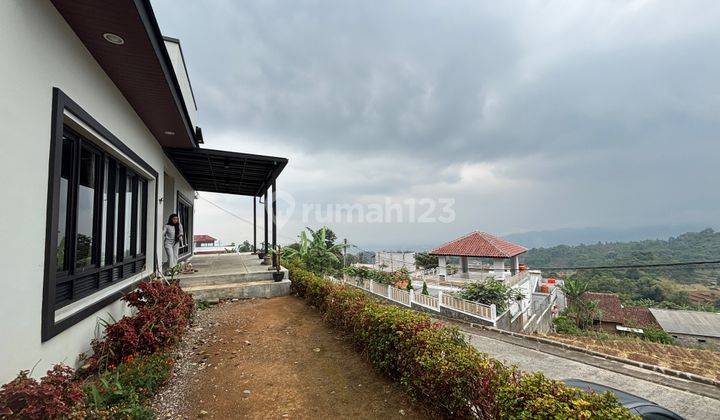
[479,244]
[609,304]
[612,311]
[203,238]
[140,67]
[706,324]
[143,72]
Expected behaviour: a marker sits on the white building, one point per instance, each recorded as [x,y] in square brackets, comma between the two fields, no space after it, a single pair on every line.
[100,146]
[393,261]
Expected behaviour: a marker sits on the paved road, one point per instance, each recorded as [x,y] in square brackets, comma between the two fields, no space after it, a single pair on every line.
[688,405]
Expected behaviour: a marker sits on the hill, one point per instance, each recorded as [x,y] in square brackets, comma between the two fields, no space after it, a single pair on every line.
[679,286]
[592,235]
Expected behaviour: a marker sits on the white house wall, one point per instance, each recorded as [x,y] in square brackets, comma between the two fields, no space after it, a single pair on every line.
[39,51]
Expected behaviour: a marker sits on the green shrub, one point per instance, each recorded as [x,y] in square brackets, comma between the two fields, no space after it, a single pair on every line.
[657,335]
[425,289]
[491,292]
[435,364]
[124,391]
[565,325]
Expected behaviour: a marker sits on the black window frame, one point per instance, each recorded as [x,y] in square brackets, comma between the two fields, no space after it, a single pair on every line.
[187,225]
[94,277]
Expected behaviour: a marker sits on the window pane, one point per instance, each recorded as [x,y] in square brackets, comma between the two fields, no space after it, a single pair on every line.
[140,216]
[116,215]
[65,178]
[143,219]
[128,213]
[103,228]
[85,209]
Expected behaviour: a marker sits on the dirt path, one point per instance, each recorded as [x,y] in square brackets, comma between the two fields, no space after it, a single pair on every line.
[275,358]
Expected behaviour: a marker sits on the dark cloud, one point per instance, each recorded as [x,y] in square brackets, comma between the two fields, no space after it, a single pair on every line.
[593,114]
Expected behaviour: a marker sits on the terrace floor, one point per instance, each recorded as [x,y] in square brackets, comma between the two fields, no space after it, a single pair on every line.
[213,265]
[275,358]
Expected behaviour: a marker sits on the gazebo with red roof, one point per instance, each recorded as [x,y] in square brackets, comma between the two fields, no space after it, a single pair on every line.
[480,245]
[204,240]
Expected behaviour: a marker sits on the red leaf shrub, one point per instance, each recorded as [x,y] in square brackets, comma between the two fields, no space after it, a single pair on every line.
[437,366]
[163,312]
[56,395]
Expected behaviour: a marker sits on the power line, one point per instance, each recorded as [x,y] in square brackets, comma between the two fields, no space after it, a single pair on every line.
[241,218]
[687,264]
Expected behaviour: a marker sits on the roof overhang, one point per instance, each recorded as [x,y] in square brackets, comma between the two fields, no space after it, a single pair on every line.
[140,67]
[227,172]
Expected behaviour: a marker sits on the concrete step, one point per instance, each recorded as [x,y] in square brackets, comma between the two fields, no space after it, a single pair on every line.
[242,290]
[196,280]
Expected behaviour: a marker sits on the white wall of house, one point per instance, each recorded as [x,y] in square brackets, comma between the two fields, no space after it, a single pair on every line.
[39,51]
[393,261]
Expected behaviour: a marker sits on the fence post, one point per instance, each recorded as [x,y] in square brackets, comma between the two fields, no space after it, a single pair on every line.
[412,294]
[389,293]
[440,293]
[493,312]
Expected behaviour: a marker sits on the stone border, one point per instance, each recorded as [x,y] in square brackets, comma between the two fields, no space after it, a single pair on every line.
[667,371]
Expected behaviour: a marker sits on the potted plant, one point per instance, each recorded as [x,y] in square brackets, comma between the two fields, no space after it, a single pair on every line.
[278,275]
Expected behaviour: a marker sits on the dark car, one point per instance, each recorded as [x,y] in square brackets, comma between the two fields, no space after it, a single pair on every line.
[640,406]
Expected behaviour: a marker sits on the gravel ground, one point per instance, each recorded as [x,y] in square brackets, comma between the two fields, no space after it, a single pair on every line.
[275,358]
[168,403]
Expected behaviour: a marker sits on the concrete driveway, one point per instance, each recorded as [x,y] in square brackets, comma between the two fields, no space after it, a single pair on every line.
[687,404]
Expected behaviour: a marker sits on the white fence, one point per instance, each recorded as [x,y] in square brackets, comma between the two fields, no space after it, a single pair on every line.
[427,300]
[399,295]
[478,310]
[468,306]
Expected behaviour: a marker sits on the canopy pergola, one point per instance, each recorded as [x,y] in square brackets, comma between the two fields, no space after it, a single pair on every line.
[236,173]
[479,245]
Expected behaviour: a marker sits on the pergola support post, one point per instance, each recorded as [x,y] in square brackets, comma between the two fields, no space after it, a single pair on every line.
[265,244]
[276,263]
[254,225]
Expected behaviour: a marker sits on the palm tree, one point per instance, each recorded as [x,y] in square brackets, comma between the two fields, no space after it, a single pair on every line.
[315,252]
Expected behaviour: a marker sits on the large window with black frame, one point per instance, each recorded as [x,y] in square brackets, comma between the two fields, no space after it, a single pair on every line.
[102,220]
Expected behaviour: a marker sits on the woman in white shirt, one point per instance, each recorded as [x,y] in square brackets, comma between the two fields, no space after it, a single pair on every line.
[172,236]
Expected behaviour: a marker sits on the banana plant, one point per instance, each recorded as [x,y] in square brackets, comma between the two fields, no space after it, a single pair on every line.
[314,251]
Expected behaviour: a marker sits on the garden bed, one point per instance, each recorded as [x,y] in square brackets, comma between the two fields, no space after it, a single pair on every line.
[698,361]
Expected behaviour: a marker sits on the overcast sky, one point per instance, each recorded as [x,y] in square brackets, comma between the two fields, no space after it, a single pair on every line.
[530,115]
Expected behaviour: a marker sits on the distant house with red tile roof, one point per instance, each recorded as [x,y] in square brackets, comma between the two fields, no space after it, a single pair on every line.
[479,245]
[612,313]
[204,240]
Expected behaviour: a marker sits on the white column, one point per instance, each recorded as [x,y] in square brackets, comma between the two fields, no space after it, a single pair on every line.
[499,268]
[464,264]
[442,268]
[514,265]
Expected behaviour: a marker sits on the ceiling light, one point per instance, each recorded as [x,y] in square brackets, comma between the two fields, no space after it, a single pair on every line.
[113,38]
[169,133]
